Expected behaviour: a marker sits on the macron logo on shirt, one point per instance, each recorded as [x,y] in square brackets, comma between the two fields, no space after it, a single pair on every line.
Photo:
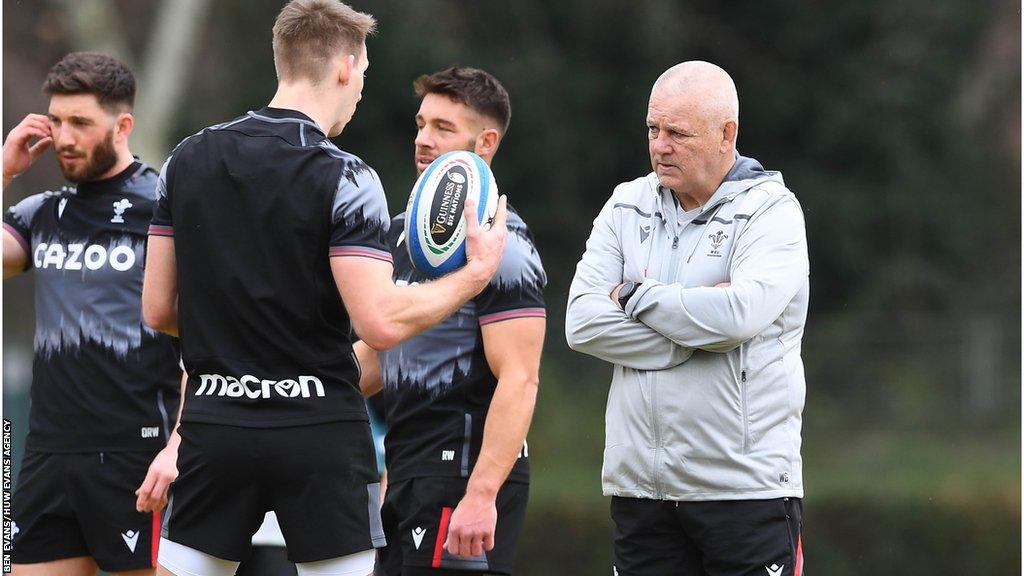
[254,388]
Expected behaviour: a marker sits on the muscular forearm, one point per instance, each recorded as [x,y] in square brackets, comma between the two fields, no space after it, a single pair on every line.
[175,438]
[152,494]
[413,309]
[370,381]
[384,314]
[508,421]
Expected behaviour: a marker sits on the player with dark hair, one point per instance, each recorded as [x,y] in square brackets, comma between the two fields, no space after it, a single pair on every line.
[103,383]
[460,396]
[267,249]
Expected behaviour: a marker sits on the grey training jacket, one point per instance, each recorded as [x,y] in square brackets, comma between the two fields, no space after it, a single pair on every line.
[708,387]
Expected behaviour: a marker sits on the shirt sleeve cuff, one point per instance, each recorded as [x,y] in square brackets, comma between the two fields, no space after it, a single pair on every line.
[21,239]
[361,252]
[512,314]
[161,230]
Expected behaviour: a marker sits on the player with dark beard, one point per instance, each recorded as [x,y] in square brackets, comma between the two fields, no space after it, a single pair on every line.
[103,383]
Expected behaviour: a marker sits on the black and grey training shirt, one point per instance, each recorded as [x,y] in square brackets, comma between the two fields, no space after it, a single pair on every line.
[101,379]
[257,207]
[437,385]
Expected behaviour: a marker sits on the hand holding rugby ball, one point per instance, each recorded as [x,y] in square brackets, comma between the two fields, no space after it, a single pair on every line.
[435,223]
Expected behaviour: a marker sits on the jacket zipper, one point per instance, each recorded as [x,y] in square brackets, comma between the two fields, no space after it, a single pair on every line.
[672,273]
[743,408]
[656,467]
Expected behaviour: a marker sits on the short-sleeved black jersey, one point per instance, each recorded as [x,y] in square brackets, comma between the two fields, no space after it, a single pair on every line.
[101,379]
[257,207]
[438,385]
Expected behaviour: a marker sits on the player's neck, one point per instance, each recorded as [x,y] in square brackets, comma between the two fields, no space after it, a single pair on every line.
[124,160]
[305,99]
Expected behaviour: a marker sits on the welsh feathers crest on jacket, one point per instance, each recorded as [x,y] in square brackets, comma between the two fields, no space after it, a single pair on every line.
[716,242]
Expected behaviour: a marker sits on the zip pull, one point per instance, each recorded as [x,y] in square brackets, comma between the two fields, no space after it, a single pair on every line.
[743,375]
[675,242]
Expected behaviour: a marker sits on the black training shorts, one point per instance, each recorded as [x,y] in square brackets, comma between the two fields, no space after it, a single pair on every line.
[416,513]
[321,481]
[83,504]
[721,538]
[267,561]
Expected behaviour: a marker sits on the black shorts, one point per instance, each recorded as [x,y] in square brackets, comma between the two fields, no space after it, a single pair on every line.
[722,538]
[321,481]
[416,513]
[267,561]
[71,505]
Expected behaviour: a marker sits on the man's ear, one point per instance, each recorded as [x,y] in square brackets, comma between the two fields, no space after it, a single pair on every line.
[346,68]
[123,126]
[487,142]
[729,133]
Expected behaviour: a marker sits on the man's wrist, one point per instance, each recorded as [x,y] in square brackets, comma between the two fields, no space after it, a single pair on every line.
[175,440]
[482,489]
[626,291]
[478,275]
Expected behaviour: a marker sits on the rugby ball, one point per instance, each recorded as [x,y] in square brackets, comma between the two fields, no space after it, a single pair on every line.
[435,229]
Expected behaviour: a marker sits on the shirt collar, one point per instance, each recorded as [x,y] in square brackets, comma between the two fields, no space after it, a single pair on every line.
[113,182]
[286,115]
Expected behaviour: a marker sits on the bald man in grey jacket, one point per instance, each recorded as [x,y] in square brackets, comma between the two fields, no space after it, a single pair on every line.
[694,284]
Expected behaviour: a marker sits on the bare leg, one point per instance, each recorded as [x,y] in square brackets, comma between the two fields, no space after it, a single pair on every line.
[78,566]
[139,572]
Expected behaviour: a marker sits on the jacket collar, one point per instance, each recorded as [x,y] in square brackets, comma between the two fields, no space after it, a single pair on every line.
[743,175]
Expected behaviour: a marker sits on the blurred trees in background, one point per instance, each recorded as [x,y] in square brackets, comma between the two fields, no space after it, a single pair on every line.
[897,125]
